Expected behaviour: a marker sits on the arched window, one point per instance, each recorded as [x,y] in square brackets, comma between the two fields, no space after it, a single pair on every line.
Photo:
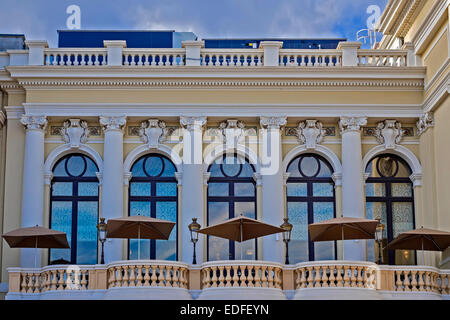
[153,193]
[231,192]
[310,199]
[389,196]
[74,209]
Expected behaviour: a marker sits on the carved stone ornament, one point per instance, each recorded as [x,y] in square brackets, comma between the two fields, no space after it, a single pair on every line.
[310,133]
[233,131]
[348,124]
[34,122]
[153,132]
[113,123]
[389,133]
[192,123]
[273,122]
[75,132]
[425,121]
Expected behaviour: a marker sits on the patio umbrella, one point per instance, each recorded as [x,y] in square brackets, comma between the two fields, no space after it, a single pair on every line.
[421,239]
[241,229]
[139,227]
[36,237]
[344,228]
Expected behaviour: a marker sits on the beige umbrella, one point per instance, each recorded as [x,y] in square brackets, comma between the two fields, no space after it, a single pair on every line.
[36,237]
[241,229]
[421,239]
[344,228]
[139,227]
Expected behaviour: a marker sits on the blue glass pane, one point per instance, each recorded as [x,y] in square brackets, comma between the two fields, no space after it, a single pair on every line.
[144,248]
[325,171]
[89,189]
[297,189]
[61,220]
[245,250]
[91,170]
[153,166]
[375,190]
[138,169]
[298,217]
[140,189]
[87,232]
[293,169]
[375,210]
[218,189]
[244,189]
[167,249]
[402,217]
[60,170]
[76,165]
[247,209]
[232,169]
[323,190]
[166,189]
[215,170]
[247,171]
[402,190]
[62,189]
[218,247]
[323,250]
[169,169]
[309,166]
[139,208]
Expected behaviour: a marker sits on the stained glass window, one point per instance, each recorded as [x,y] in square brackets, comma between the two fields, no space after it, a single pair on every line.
[153,193]
[310,199]
[74,209]
[389,197]
[231,192]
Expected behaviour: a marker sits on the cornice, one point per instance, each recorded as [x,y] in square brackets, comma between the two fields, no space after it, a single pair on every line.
[399,16]
[437,96]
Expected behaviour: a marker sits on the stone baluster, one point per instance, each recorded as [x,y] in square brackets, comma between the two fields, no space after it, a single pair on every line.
[228,276]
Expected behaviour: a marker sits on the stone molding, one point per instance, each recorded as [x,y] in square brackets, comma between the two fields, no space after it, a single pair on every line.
[389,133]
[34,122]
[273,122]
[349,124]
[193,123]
[310,133]
[75,132]
[425,121]
[153,132]
[113,123]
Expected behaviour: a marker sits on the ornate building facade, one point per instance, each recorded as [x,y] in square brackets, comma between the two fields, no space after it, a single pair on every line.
[210,134]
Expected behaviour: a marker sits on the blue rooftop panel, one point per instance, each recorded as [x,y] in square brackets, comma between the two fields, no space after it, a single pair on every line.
[287,43]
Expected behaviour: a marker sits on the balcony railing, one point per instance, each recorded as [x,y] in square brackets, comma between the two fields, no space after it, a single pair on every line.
[194,55]
[215,280]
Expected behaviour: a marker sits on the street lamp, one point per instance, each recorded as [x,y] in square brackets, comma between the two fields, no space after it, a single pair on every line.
[287,227]
[193,228]
[101,227]
[379,239]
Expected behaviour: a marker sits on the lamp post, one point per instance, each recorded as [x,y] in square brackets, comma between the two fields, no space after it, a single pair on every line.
[379,239]
[287,227]
[193,228]
[101,227]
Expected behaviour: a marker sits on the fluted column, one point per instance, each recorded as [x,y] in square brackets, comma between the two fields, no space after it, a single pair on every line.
[112,184]
[33,182]
[192,181]
[353,181]
[272,185]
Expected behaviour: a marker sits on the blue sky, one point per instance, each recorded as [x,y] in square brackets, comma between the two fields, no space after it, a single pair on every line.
[39,19]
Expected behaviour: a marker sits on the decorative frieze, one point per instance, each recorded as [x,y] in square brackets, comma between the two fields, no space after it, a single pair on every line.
[273,122]
[293,131]
[153,132]
[425,121]
[310,133]
[34,122]
[233,131]
[75,132]
[348,124]
[389,133]
[113,123]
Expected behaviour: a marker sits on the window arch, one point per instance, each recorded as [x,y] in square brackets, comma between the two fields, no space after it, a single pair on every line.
[74,209]
[310,199]
[231,192]
[390,196]
[153,193]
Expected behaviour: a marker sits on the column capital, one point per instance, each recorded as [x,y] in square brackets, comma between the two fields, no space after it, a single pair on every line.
[48,176]
[192,123]
[272,122]
[425,121]
[34,122]
[348,124]
[113,123]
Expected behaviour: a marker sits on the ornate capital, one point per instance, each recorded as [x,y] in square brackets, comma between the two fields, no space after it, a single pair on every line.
[348,124]
[75,132]
[272,122]
[310,133]
[192,123]
[153,132]
[425,121]
[48,176]
[286,176]
[416,179]
[34,122]
[99,177]
[126,178]
[113,123]
[337,179]
[179,177]
[233,131]
[206,176]
[389,133]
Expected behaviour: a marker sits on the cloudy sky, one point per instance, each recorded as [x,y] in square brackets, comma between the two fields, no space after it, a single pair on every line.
[39,19]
